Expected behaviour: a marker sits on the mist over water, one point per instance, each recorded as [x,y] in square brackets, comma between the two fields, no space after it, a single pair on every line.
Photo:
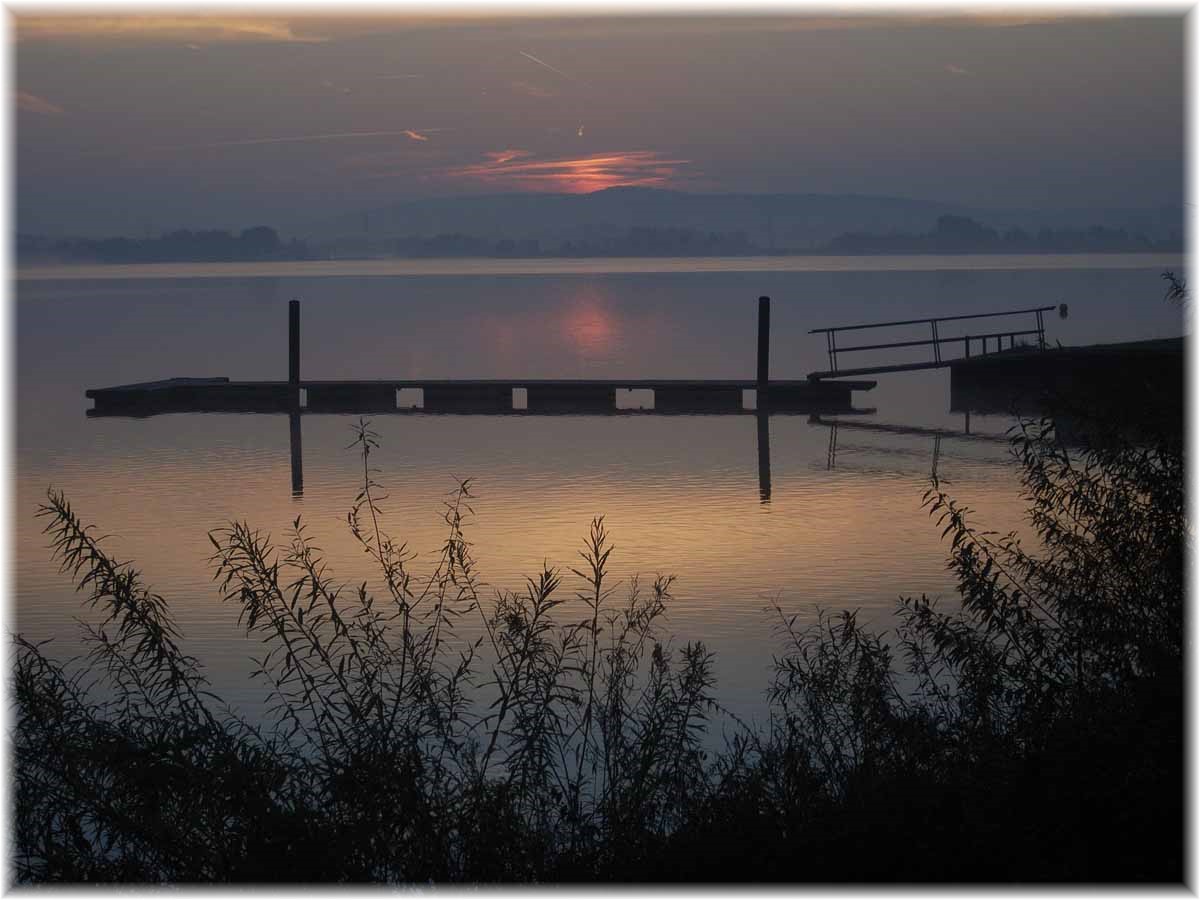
[843,526]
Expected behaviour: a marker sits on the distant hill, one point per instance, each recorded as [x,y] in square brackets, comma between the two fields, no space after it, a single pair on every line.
[769,221]
[643,222]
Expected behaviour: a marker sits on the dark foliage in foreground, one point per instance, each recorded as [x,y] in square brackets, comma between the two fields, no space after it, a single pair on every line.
[1032,732]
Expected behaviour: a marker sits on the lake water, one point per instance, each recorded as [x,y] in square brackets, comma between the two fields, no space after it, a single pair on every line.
[843,526]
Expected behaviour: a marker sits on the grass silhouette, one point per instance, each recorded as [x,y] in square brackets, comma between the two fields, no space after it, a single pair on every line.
[1032,732]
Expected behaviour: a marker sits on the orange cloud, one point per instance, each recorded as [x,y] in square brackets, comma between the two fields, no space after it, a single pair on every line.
[310,28]
[32,103]
[499,157]
[415,135]
[671,27]
[208,28]
[574,175]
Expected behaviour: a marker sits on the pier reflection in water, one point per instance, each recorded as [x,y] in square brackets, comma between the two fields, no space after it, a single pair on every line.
[762,431]
[297,453]
[296,446]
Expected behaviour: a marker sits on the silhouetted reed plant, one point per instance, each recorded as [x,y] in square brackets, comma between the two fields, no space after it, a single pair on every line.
[567,741]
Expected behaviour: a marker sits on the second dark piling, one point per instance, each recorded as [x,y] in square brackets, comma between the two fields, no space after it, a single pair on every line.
[294,349]
[764,340]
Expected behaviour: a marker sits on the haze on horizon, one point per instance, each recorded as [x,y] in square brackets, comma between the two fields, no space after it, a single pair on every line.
[152,122]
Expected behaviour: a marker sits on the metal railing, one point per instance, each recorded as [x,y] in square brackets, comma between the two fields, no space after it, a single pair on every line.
[935,340]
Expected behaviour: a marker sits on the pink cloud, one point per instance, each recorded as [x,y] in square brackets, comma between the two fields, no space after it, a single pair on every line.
[577,175]
[32,103]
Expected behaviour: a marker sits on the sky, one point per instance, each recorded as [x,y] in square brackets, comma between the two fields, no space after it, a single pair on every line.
[138,123]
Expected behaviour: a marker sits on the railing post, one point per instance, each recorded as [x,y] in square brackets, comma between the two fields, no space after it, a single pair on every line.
[764,341]
[294,351]
[966,346]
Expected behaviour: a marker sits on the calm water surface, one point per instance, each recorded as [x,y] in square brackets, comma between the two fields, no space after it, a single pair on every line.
[843,526]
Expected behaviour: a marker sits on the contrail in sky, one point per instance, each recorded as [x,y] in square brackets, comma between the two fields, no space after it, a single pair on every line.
[530,56]
[333,136]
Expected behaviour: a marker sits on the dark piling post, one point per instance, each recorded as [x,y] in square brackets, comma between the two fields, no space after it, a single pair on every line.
[764,342]
[294,351]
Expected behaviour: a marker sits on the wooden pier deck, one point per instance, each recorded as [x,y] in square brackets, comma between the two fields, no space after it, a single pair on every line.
[473,396]
[1140,375]
[495,396]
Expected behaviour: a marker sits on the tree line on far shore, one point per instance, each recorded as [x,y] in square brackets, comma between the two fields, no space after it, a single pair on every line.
[950,234]
[260,242]
[960,234]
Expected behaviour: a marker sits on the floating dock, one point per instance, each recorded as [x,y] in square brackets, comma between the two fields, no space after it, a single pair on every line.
[1146,377]
[494,397]
[520,396]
